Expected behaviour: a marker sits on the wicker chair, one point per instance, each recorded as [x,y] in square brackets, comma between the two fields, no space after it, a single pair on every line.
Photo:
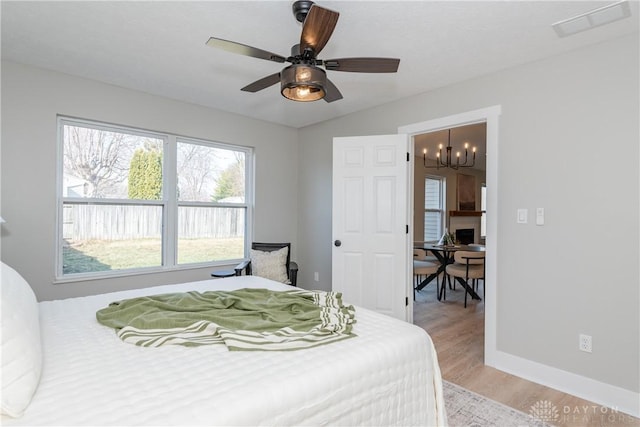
[290,267]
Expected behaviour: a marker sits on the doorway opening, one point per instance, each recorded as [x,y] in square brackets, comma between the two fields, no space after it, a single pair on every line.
[462,209]
[490,117]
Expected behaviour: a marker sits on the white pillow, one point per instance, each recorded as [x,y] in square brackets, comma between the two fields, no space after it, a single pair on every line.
[270,265]
[21,345]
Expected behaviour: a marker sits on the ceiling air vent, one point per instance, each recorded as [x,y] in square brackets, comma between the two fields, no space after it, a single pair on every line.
[595,18]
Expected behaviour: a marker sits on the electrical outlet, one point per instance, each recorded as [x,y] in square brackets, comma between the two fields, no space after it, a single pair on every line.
[316,276]
[585,343]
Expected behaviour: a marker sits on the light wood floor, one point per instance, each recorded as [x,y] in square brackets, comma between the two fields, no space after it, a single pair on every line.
[458,335]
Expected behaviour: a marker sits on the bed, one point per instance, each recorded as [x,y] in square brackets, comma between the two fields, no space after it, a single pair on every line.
[387,375]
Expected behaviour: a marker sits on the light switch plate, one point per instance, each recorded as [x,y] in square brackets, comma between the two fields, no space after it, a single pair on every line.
[539,216]
[522,216]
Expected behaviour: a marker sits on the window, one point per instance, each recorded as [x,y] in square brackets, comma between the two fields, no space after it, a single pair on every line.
[138,201]
[434,208]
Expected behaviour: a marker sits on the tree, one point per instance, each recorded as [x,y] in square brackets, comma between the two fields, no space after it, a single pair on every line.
[145,174]
[96,156]
[196,166]
[230,182]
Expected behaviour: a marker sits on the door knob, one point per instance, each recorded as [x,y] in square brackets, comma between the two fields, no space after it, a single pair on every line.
[337,243]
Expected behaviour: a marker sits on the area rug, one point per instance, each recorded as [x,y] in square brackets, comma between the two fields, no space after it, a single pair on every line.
[468,409]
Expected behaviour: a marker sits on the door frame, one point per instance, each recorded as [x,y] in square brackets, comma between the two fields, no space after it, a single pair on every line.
[490,116]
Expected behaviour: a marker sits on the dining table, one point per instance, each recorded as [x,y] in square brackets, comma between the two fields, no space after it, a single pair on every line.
[444,255]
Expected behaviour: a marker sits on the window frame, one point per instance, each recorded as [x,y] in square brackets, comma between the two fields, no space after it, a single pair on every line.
[170,205]
[443,204]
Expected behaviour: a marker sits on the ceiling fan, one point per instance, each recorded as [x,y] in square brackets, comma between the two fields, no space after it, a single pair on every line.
[304,80]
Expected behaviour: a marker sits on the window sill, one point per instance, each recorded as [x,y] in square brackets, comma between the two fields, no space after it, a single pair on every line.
[86,277]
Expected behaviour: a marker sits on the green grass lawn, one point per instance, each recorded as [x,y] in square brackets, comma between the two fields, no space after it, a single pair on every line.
[98,255]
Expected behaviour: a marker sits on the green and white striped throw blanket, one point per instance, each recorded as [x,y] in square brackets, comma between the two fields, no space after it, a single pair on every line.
[244,319]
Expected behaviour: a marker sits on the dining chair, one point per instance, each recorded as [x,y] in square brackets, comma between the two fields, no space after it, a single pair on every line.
[423,267]
[424,255]
[476,245]
[468,265]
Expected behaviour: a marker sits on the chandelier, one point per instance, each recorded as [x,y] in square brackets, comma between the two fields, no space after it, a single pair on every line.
[446,161]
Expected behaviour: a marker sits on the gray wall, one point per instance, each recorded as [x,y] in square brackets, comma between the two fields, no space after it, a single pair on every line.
[31,99]
[568,142]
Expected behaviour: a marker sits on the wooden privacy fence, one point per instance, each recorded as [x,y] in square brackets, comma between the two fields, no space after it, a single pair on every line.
[127,222]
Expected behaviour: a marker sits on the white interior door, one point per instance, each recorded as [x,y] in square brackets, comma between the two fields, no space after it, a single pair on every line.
[370,223]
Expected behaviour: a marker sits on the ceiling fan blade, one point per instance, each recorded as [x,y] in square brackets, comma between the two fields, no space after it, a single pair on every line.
[331,92]
[363,65]
[243,49]
[317,28]
[263,83]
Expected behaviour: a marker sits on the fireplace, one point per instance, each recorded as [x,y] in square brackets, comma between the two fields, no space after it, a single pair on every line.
[465,235]
[465,223]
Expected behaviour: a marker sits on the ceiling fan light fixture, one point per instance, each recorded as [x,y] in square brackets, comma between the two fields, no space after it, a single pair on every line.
[302,82]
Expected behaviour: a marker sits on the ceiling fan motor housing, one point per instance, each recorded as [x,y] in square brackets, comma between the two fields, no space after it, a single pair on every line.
[301,9]
[303,82]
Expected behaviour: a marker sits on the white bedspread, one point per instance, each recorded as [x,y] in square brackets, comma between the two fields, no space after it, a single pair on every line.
[388,375]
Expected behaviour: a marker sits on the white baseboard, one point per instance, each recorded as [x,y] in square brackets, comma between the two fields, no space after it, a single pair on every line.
[616,398]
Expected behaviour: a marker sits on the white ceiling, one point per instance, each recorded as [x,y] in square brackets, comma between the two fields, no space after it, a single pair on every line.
[159,47]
